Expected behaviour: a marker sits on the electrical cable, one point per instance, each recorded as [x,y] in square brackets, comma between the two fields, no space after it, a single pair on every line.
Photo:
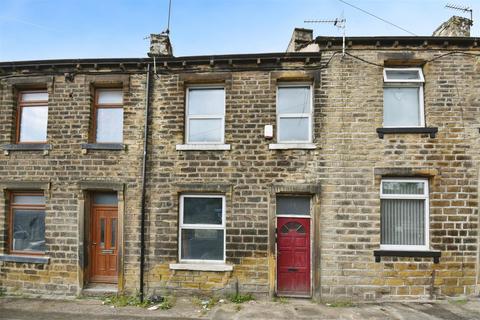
[377,17]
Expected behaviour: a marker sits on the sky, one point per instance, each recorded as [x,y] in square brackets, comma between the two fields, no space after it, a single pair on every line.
[58,29]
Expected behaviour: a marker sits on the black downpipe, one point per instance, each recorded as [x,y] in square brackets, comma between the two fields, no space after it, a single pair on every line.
[144,165]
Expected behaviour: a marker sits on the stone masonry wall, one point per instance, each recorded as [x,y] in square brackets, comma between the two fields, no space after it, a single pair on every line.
[249,170]
[352,107]
[348,109]
[64,167]
[347,166]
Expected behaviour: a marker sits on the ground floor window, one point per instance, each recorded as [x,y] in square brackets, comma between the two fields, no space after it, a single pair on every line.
[27,222]
[404,214]
[202,228]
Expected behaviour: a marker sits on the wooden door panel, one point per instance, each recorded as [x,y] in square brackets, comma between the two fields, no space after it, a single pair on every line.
[293,256]
[103,244]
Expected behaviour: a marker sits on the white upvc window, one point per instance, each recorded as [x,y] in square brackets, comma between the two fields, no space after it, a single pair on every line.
[404,214]
[294,113]
[403,105]
[205,115]
[202,228]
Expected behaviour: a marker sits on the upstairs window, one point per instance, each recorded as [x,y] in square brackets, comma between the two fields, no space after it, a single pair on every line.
[205,121]
[32,117]
[404,214]
[202,228]
[27,222]
[294,114]
[403,98]
[108,119]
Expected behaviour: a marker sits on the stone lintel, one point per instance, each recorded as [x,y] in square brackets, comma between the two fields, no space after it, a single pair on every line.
[406,172]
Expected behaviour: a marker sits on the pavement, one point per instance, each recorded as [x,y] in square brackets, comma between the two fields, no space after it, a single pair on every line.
[18,308]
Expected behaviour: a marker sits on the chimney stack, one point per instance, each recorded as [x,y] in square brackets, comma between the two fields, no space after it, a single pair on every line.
[455,27]
[160,45]
[300,38]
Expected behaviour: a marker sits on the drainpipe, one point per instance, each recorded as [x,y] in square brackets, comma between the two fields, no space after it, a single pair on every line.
[144,165]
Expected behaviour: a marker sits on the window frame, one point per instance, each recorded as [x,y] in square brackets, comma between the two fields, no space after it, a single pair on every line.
[425,197]
[406,83]
[208,117]
[297,195]
[11,207]
[35,103]
[309,115]
[202,227]
[97,106]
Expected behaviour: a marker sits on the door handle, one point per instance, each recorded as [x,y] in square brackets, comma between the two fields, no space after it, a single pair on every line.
[292,269]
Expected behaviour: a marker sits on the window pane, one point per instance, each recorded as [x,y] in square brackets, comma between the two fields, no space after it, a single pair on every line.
[389,187]
[102,233]
[402,74]
[205,130]
[202,244]
[33,127]
[28,230]
[294,100]
[202,210]
[403,222]
[110,125]
[113,238]
[28,199]
[34,96]
[292,227]
[293,205]
[294,129]
[110,97]
[109,198]
[206,101]
[401,107]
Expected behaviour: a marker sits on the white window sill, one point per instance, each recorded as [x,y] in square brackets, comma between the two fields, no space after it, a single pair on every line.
[189,147]
[201,266]
[286,146]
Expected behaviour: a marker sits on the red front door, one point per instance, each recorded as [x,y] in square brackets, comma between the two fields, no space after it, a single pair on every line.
[293,256]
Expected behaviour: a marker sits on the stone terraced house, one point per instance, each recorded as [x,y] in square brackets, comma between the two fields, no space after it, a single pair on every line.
[308,173]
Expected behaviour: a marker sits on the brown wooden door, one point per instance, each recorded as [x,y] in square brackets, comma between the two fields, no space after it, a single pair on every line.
[104,244]
[293,256]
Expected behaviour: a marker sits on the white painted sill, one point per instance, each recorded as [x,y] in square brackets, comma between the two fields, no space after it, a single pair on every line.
[192,147]
[286,146]
[201,267]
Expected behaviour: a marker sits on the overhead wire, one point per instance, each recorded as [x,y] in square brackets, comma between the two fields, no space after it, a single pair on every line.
[377,17]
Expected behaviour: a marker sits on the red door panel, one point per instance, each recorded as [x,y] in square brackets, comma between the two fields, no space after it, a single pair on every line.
[293,256]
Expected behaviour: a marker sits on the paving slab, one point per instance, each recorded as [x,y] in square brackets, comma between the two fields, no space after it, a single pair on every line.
[20,308]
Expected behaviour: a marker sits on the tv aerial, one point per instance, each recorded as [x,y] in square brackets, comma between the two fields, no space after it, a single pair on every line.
[462,8]
[340,23]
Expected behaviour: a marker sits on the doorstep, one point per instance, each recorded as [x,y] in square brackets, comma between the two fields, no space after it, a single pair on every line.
[99,289]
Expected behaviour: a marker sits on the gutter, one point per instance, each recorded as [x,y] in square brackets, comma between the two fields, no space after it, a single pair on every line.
[144,165]
[388,41]
[140,62]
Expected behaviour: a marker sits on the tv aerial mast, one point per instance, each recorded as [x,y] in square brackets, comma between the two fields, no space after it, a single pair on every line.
[340,23]
[461,8]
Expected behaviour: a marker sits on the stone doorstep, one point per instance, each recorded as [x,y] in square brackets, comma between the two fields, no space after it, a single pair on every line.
[99,290]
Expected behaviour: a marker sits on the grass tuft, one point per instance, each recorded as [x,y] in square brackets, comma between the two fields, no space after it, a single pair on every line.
[458,301]
[134,301]
[340,304]
[241,298]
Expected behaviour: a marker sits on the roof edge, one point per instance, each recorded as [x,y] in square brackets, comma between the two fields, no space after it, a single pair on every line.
[402,40]
[197,59]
